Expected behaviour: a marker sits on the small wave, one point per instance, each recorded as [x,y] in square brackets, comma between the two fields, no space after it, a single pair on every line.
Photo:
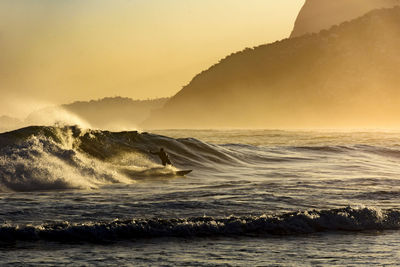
[379,195]
[383,151]
[305,222]
[327,149]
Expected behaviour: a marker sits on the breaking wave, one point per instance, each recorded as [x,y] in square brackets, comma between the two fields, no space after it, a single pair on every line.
[53,158]
[56,158]
[302,222]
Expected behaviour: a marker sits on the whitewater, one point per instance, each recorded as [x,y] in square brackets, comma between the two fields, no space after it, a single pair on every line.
[76,196]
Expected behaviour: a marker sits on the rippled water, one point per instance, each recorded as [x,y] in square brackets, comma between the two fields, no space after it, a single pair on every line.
[73,196]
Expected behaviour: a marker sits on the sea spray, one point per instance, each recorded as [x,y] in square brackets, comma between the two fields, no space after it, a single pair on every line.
[51,160]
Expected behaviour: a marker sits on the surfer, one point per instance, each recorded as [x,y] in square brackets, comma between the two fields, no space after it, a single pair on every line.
[163,156]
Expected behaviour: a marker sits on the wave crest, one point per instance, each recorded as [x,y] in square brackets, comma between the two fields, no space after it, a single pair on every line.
[303,222]
[51,158]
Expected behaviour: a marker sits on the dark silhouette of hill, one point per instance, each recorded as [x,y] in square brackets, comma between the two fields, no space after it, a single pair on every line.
[347,76]
[107,113]
[317,15]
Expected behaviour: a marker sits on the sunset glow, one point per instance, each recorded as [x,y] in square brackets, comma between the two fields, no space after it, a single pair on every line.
[62,51]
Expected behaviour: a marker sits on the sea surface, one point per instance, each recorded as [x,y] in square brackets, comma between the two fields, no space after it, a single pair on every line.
[80,197]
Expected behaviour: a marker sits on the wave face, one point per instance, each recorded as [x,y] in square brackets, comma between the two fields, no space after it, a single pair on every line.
[53,158]
[307,222]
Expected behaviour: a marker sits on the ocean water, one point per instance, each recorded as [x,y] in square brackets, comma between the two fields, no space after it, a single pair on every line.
[80,197]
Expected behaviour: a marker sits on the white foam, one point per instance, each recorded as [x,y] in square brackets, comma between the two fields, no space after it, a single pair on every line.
[306,222]
[39,163]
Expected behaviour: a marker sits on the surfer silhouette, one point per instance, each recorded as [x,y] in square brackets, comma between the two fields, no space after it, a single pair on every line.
[163,156]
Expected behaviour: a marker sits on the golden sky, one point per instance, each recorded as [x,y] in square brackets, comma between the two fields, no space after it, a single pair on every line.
[59,51]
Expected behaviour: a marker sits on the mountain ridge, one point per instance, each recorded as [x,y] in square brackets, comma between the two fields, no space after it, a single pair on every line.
[317,15]
[111,113]
[298,82]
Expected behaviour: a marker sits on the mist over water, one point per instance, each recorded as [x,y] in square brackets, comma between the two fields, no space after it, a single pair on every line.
[33,112]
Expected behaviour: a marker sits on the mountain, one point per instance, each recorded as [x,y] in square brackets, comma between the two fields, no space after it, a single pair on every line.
[317,15]
[111,113]
[347,76]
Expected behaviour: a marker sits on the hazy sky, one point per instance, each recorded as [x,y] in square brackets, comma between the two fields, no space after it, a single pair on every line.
[59,51]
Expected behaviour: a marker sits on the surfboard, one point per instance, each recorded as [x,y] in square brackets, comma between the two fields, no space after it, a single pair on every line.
[183,173]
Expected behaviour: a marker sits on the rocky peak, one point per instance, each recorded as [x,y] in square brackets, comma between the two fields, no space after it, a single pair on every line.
[317,15]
